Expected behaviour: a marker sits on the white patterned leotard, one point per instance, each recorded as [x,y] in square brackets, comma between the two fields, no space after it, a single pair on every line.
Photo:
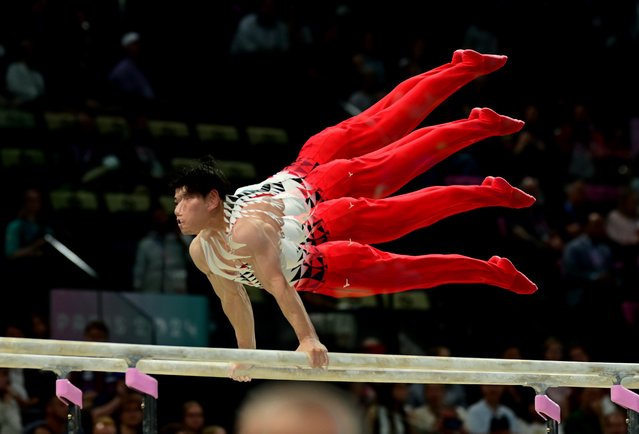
[284,198]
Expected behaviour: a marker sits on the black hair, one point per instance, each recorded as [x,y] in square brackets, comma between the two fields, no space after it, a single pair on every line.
[97,324]
[201,178]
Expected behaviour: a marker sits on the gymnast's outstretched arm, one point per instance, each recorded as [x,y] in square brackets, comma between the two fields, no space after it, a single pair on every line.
[260,242]
[235,303]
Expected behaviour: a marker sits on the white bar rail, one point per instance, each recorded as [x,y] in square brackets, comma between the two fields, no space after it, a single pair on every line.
[66,356]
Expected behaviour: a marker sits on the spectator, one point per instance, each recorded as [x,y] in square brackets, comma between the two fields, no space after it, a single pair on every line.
[585,141]
[435,416]
[161,261]
[102,392]
[129,79]
[518,397]
[25,385]
[367,92]
[214,429]
[577,352]
[173,428]
[55,420]
[27,253]
[454,394]
[615,422]
[489,416]
[481,34]
[3,73]
[193,417]
[261,32]
[415,59]
[587,416]
[532,230]
[589,270]
[25,233]
[388,415]
[104,425]
[130,414]
[622,222]
[537,242]
[10,416]
[369,74]
[25,83]
[533,153]
[369,58]
[573,216]
[38,327]
[553,349]
[622,228]
[261,42]
[362,394]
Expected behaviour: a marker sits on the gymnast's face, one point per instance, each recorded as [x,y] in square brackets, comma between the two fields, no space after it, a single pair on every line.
[192,211]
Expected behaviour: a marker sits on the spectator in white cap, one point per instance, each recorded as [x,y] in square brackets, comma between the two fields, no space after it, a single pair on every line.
[130,38]
[127,77]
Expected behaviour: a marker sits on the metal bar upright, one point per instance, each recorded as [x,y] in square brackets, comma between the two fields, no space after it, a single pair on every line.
[629,400]
[148,386]
[72,397]
[550,411]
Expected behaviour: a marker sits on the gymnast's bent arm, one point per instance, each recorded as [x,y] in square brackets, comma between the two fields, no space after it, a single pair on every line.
[260,240]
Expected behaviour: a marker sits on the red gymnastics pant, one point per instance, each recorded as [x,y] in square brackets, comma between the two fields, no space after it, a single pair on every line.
[384,171]
[363,160]
[353,268]
[398,113]
[375,221]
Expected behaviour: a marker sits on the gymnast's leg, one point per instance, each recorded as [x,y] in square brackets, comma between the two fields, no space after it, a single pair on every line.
[358,270]
[382,172]
[373,221]
[399,112]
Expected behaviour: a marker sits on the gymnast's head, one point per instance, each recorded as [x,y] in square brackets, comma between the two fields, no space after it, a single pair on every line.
[200,190]
[201,177]
[295,407]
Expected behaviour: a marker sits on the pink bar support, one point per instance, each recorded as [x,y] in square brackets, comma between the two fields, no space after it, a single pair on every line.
[547,408]
[68,393]
[141,382]
[624,397]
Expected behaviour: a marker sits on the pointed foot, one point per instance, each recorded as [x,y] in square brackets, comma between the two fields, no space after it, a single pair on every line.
[505,125]
[520,283]
[515,198]
[483,63]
